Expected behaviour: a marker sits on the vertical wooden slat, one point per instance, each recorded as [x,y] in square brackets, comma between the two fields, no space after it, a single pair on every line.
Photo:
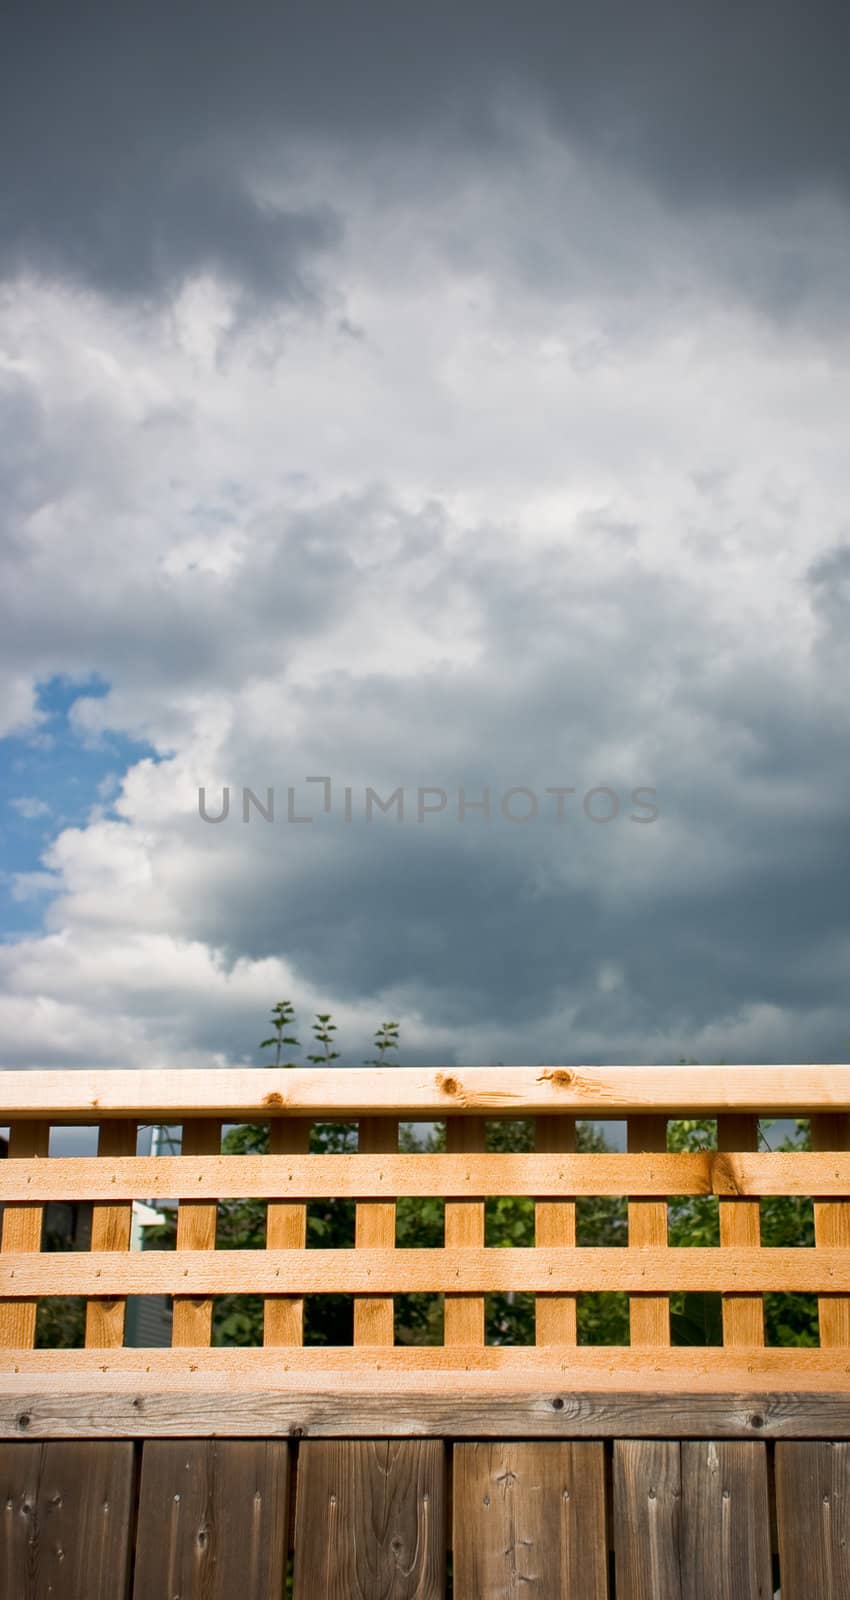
[725,1520]
[110,1230]
[370,1520]
[212,1520]
[196,1224]
[647,1520]
[286,1229]
[831,1131]
[22,1227]
[813,1517]
[743,1314]
[375,1229]
[555,1319]
[649,1315]
[66,1513]
[464,1313]
[529,1519]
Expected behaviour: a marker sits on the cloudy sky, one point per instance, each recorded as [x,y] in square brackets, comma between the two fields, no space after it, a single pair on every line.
[438,399]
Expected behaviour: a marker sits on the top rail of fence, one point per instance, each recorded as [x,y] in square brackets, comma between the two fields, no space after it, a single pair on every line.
[422,1092]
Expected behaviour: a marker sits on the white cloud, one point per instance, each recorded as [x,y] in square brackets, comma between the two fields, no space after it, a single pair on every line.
[550,519]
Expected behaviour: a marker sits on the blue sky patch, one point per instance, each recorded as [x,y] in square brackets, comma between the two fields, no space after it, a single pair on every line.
[49,780]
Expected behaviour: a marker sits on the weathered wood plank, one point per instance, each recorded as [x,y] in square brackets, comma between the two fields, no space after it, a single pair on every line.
[252,1094]
[204,1272]
[66,1520]
[286,1222]
[832,1227]
[110,1230]
[196,1229]
[292,1176]
[647,1520]
[529,1519]
[212,1520]
[345,1408]
[725,1520]
[374,1228]
[370,1520]
[813,1516]
[555,1316]
[601,1366]
[464,1233]
[740,1225]
[649,1315]
[22,1229]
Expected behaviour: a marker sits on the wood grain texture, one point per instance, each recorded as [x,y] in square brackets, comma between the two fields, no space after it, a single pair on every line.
[499,1366]
[374,1228]
[740,1225]
[212,1520]
[831,1132]
[286,1227]
[647,1520]
[196,1228]
[370,1520]
[813,1517]
[67,1508]
[529,1519]
[439,1410]
[555,1316]
[22,1229]
[110,1230]
[725,1520]
[464,1232]
[205,1272]
[649,1315]
[253,1094]
[290,1177]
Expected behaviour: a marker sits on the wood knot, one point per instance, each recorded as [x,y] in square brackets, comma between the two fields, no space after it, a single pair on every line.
[562,1078]
[448,1085]
[273,1099]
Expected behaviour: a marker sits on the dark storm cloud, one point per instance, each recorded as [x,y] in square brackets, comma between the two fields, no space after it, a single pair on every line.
[127,139]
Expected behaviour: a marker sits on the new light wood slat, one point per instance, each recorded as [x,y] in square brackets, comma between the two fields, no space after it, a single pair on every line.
[253,1094]
[492,1367]
[375,1229]
[198,1273]
[555,1318]
[832,1227]
[291,1177]
[22,1228]
[110,1230]
[196,1226]
[740,1225]
[464,1232]
[286,1225]
[649,1316]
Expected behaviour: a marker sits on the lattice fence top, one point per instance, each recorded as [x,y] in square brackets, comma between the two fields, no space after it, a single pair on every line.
[557,1269]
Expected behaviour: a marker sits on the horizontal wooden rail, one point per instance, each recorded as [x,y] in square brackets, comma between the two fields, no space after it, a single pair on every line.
[464,1386]
[467,1270]
[251,1094]
[488,1366]
[324,1177]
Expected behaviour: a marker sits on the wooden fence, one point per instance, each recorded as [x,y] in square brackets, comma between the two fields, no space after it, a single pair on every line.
[555,1469]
